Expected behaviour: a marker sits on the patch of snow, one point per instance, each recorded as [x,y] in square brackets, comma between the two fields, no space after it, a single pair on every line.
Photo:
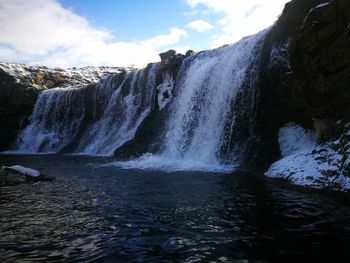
[321,5]
[306,169]
[325,166]
[294,139]
[25,170]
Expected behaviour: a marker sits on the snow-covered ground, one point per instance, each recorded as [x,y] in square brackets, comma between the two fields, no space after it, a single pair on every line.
[303,163]
[30,75]
[23,170]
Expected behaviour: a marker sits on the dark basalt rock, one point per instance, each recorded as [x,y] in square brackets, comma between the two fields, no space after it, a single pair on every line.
[165,56]
[320,58]
[190,52]
[16,104]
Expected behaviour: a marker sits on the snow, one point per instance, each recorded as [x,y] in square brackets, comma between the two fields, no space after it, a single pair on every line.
[314,9]
[322,5]
[294,138]
[73,76]
[25,170]
[307,169]
[303,163]
[317,7]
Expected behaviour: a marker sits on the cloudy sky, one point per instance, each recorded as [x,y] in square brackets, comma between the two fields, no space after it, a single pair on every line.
[70,33]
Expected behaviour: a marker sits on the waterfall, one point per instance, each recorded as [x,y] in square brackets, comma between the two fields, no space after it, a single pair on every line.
[202,114]
[197,104]
[56,118]
[118,105]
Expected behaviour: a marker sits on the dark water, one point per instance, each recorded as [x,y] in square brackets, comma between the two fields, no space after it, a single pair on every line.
[104,214]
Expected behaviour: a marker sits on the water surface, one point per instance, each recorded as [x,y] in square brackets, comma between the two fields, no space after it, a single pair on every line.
[97,213]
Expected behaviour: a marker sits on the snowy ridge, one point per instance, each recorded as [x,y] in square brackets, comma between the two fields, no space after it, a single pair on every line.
[33,76]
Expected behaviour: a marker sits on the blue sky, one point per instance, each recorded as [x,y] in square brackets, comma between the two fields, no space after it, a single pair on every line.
[123,32]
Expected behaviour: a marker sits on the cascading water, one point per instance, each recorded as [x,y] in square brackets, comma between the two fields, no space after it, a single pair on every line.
[207,89]
[117,107]
[122,115]
[55,120]
[99,119]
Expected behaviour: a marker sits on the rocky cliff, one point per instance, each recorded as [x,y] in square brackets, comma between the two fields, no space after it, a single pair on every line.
[311,90]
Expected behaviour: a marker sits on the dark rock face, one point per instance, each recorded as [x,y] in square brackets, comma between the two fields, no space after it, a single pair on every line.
[16,104]
[320,58]
[303,77]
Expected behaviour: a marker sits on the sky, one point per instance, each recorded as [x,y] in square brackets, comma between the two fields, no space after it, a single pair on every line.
[68,33]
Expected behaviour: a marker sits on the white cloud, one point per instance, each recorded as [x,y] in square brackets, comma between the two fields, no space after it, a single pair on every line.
[7,53]
[241,17]
[44,32]
[199,25]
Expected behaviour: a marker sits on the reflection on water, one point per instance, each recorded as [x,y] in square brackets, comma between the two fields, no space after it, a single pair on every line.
[94,213]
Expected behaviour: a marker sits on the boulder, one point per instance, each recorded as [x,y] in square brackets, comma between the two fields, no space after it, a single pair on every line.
[165,56]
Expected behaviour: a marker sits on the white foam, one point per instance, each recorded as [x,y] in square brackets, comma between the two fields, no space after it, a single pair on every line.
[161,163]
